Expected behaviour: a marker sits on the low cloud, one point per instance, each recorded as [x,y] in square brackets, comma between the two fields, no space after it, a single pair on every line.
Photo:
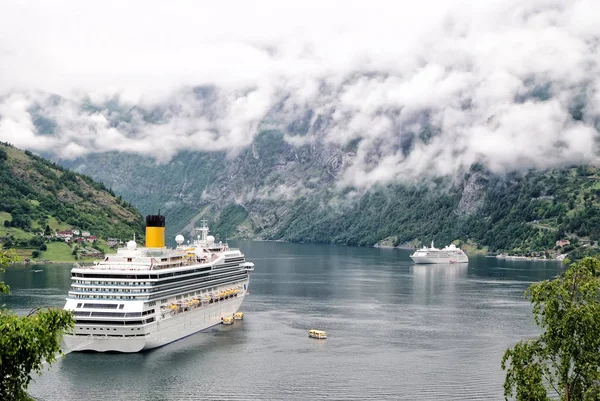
[417,90]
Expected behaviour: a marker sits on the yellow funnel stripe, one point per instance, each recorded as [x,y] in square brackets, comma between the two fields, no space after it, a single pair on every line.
[155,237]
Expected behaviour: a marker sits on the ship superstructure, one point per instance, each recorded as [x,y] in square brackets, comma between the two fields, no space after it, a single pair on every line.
[448,254]
[145,297]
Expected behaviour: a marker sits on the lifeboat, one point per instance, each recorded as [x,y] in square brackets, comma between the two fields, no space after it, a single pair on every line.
[248,266]
[173,307]
[320,334]
[238,316]
[228,320]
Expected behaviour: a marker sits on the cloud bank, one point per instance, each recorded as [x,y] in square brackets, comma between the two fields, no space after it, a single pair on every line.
[416,89]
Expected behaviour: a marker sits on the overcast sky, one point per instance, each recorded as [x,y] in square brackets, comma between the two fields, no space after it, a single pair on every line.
[496,78]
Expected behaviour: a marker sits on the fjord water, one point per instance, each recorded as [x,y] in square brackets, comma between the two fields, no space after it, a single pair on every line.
[396,331]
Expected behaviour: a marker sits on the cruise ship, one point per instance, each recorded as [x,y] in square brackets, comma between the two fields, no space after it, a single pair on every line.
[449,254]
[145,297]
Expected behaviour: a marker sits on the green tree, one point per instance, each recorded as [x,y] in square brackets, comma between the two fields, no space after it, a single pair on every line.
[47,231]
[565,358]
[27,342]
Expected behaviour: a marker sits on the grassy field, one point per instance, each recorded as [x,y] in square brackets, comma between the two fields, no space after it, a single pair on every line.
[55,225]
[107,250]
[62,252]
[15,232]
[58,252]
[471,249]
[24,253]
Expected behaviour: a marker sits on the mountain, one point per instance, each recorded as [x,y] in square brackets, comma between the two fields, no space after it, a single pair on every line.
[38,196]
[275,191]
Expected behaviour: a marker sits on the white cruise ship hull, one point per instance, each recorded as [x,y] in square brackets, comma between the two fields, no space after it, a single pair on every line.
[442,260]
[156,334]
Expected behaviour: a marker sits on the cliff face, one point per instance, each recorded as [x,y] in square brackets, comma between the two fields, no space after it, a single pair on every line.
[473,195]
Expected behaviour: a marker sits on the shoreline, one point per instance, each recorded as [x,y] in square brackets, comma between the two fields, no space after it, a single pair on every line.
[526,259]
[51,262]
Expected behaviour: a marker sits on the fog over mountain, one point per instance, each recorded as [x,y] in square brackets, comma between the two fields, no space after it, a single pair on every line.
[417,89]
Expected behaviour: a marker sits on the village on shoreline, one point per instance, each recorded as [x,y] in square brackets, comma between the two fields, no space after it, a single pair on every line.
[61,246]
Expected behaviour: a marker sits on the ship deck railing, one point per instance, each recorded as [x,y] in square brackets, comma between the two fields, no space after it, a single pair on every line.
[153,265]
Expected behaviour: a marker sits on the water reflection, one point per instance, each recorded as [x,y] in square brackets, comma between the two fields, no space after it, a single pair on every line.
[441,270]
[437,283]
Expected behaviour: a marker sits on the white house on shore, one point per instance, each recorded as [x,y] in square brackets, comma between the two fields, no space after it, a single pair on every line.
[65,235]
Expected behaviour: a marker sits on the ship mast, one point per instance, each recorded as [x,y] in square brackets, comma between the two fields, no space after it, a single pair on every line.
[203,230]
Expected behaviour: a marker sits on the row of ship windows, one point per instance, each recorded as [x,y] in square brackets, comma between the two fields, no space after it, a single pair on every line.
[102,297]
[105,328]
[116,322]
[130,291]
[164,301]
[195,293]
[100,306]
[157,286]
[128,283]
[141,276]
[145,283]
[95,289]
[108,330]
[155,289]
[152,277]
[112,335]
[85,296]
[114,314]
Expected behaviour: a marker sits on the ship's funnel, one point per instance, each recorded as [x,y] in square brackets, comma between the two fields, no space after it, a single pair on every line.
[155,231]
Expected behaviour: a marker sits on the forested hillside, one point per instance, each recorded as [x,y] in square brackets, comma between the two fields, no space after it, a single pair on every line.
[38,197]
[515,214]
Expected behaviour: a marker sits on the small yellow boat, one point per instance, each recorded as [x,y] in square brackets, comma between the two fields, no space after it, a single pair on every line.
[238,316]
[173,307]
[228,320]
[317,334]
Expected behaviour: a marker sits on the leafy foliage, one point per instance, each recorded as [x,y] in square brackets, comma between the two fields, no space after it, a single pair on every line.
[565,358]
[27,342]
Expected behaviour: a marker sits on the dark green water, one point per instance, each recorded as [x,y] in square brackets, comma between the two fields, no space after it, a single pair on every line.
[396,331]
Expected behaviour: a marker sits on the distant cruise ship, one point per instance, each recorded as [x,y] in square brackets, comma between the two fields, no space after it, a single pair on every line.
[449,254]
[143,298]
